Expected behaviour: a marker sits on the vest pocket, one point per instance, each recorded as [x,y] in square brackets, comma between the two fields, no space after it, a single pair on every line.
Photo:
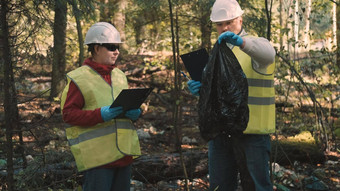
[127,139]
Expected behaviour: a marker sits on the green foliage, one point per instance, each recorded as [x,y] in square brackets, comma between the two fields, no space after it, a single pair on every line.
[159,62]
[149,24]
[299,148]
[254,17]
[3,163]
[304,136]
[321,17]
[337,132]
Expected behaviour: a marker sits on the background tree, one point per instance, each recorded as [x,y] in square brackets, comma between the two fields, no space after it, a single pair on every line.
[308,11]
[254,18]
[269,6]
[113,11]
[205,24]
[338,33]
[10,95]
[118,19]
[78,15]
[59,48]
[296,27]
[146,18]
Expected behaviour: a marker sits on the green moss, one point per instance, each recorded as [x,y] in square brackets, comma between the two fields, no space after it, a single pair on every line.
[337,132]
[301,147]
[304,136]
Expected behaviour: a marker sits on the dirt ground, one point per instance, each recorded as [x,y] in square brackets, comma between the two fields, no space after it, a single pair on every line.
[42,119]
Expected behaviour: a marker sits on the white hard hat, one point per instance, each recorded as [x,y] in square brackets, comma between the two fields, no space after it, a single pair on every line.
[102,32]
[224,10]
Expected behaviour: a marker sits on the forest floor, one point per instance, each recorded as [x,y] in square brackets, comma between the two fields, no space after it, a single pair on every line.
[156,123]
[45,135]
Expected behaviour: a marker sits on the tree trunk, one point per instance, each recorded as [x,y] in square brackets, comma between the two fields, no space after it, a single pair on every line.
[281,24]
[113,11]
[10,96]
[289,34]
[104,11]
[77,16]
[269,17]
[119,20]
[176,91]
[205,24]
[59,49]
[338,33]
[296,28]
[307,28]
[139,29]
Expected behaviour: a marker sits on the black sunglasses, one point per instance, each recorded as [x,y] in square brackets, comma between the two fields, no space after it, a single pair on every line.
[110,47]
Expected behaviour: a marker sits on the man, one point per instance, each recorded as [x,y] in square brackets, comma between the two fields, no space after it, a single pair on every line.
[249,153]
[102,142]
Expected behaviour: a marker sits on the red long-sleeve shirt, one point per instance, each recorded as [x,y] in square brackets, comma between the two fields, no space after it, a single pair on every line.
[74,115]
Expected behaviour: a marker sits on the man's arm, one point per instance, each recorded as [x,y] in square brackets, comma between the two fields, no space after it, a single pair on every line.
[260,50]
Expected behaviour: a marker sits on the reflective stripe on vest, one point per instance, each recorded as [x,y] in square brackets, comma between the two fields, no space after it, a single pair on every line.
[105,142]
[99,132]
[261,98]
[260,83]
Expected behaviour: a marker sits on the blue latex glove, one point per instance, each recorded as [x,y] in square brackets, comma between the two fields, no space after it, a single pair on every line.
[194,87]
[133,114]
[110,113]
[231,38]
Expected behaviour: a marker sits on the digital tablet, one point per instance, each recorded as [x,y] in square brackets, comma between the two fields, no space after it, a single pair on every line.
[131,98]
[195,62]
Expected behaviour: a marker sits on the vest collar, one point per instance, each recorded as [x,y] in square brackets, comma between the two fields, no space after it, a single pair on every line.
[100,68]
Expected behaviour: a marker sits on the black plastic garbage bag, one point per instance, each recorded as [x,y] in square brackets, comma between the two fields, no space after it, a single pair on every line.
[223,102]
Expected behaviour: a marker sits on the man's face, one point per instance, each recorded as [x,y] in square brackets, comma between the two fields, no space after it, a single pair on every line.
[234,25]
[106,55]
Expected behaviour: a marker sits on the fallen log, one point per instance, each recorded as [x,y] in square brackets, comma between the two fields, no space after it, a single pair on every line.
[147,168]
[167,166]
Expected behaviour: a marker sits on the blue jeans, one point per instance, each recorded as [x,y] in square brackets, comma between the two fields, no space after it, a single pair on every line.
[247,154]
[107,179]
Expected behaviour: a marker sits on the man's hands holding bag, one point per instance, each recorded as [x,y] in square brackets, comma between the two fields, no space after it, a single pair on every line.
[231,38]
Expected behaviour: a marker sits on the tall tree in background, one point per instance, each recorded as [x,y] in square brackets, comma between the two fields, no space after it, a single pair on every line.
[119,19]
[204,22]
[296,27]
[77,14]
[254,18]
[281,24]
[113,11]
[177,106]
[268,6]
[307,27]
[145,13]
[287,7]
[334,25]
[59,49]
[10,96]
[338,33]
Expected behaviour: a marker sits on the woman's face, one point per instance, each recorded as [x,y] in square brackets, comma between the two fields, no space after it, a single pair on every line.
[234,25]
[106,54]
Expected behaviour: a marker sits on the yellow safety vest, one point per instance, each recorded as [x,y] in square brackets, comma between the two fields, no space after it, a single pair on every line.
[105,142]
[261,96]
